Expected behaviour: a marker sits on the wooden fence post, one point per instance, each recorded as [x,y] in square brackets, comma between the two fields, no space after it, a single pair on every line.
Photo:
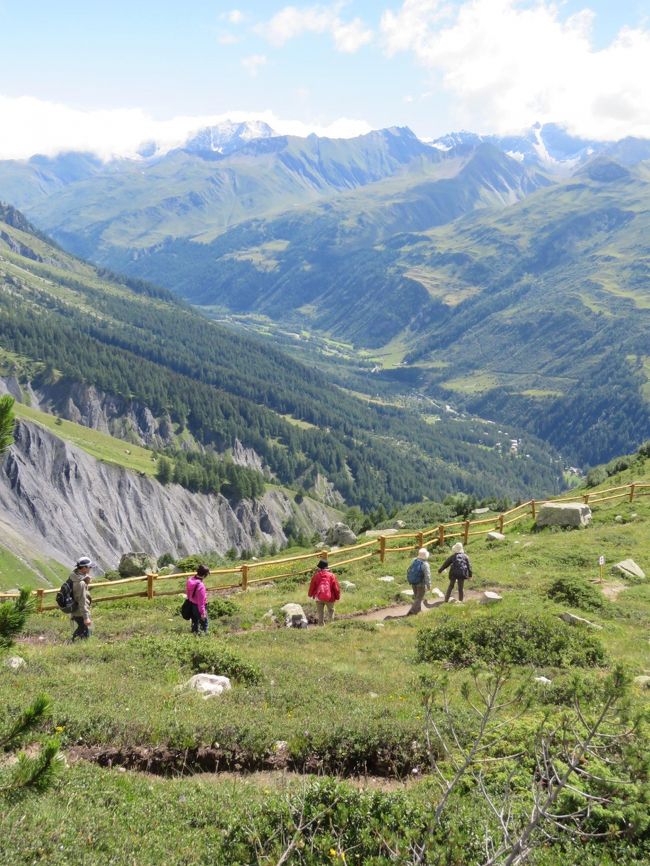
[585,498]
[39,601]
[382,548]
[244,577]
[533,509]
[150,580]
[631,492]
[420,539]
[501,524]
[466,532]
[441,534]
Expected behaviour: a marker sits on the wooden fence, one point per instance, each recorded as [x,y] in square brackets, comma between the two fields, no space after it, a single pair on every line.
[251,573]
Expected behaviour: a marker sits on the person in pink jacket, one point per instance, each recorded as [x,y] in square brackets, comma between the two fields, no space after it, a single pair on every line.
[197,596]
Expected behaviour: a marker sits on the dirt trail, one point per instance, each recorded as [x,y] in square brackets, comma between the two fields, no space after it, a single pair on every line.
[397,611]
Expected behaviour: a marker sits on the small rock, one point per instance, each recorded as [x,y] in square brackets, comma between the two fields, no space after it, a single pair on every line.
[15,662]
[633,516]
[543,680]
[496,536]
[348,585]
[373,695]
[399,524]
[437,592]
[572,619]
[407,592]
[628,568]
[491,597]
[642,681]
[619,518]
[209,685]
[386,579]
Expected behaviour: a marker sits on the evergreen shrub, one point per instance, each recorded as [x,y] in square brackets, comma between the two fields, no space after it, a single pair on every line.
[519,638]
[575,592]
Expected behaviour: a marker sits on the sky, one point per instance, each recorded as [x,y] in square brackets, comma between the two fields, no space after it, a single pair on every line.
[106,76]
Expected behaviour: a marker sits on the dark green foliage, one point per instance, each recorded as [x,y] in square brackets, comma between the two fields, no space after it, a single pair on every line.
[29,773]
[512,638]
[191,562]
[6,422]
[575,592]
[205,472]
[219,605]
[204,655]
[13,616]
[164,560]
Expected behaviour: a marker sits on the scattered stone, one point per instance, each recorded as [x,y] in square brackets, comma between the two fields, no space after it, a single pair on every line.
[373,695]
[386,579]
[399,524]
[642,681]
[480,511]
[437,592]
[348,585]
[135,564]
[491,597]
[340,534]
[15,662]
[270,615]
[496,536]
[209,685]
[628,568]
[569,514]
[633,516]
[293,615]
[375,533]
[543,680]
[573,619]
[407,592]
[619,518]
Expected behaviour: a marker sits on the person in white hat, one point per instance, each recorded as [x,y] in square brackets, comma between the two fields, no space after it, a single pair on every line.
[80,613]
[460,569]
[419,577]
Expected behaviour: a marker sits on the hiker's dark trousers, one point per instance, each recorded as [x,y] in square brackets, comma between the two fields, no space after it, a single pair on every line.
[419,590]
[198,624]
[461,584]
[82,631]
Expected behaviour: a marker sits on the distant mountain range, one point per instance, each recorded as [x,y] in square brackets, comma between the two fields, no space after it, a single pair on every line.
[508,273]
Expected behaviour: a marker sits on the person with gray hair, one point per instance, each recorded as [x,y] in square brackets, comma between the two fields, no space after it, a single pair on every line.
[419,577]
[460,569]
[80,611]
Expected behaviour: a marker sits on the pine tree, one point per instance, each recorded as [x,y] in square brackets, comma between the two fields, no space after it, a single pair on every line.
[6,422]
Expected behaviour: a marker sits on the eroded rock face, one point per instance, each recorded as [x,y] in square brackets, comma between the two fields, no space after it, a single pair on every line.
[569,514]
[60,501]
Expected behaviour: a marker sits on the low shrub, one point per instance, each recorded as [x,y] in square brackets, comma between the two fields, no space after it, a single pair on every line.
[202,655]
[576,593]
[513,638]
[220,606]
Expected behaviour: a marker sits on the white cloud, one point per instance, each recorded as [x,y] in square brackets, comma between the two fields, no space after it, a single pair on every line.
[507,64]
[291,22]
[253,63]
[235,16]
[33,126]
[227,39]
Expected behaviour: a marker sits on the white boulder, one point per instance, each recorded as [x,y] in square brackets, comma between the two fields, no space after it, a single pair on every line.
[628,568]
[348,585]
[209,685]
[490,597]
[543,680]
[15,662]
[573,619]
[569,514]
[496,536]
[408,593]
[293,615]
[386,579]
[437,592]
[643,682]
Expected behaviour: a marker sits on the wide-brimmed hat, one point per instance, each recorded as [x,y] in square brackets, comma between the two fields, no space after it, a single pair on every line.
[85,562]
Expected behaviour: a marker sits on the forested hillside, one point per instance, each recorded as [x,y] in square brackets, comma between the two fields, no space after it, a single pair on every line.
[60,320]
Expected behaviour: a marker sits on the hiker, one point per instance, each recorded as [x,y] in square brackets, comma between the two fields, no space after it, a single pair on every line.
[460,569]
[324,588]
[80,610]
[197,598]
[419,577]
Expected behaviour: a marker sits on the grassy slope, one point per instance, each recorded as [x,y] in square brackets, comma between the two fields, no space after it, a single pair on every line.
[349,684]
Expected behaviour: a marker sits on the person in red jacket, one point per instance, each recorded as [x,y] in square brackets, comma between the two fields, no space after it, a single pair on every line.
[197,596]
[325,589]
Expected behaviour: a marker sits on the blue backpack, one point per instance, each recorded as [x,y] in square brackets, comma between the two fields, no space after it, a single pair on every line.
[415,573]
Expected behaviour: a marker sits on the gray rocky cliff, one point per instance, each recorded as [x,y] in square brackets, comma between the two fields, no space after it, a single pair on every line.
[63,503]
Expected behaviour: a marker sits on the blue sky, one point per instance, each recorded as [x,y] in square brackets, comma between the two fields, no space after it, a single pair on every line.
[81,71]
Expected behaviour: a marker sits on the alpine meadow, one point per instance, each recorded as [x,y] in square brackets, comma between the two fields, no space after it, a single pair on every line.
[325,434]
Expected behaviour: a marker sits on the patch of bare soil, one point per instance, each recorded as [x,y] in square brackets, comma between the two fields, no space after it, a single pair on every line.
[398,611]
[612,590]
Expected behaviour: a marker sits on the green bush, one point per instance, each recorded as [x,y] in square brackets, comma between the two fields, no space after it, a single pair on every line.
[202,656]
[576,593]
[220,606]
[513,638]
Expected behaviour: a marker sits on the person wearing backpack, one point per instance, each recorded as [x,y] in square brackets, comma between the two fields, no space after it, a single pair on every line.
[325,589]
[197,597]
[419,578]
[80,601]
[460,569]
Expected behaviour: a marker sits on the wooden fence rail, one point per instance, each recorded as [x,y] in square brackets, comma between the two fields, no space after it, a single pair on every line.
[435,536]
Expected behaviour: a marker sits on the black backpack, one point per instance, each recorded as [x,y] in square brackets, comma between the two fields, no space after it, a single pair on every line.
[65,597]
[460,566]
